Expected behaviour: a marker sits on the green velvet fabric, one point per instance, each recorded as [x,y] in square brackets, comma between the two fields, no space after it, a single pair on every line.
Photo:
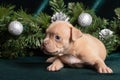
[34,68]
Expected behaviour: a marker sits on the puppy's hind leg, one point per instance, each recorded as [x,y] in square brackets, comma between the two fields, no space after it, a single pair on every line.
[102,67]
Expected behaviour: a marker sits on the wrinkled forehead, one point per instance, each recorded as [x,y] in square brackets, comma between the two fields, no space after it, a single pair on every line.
[60,29]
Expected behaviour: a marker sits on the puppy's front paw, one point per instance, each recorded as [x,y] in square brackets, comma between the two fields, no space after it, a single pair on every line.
[105,69]
[51,59]
[55,66]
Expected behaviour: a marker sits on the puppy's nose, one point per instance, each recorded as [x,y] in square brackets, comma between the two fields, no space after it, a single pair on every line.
[46,42]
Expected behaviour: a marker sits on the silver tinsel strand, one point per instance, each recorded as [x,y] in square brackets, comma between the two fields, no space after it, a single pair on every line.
[105,34]
[59,16]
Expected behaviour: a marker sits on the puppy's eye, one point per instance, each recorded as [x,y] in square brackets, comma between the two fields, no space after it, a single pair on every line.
[57,37]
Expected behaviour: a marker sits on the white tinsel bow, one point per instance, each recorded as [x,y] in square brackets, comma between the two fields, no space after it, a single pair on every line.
[59,16]
[105,33]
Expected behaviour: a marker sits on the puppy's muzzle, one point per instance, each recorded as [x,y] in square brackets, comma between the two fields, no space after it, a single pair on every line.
[48,48]
[46,44]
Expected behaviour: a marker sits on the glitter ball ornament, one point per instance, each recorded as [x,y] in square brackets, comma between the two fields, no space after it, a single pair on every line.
[105,34]
[15,28]
[84,19]
[59,16]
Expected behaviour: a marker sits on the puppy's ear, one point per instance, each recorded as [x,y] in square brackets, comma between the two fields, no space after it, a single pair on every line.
[75,33]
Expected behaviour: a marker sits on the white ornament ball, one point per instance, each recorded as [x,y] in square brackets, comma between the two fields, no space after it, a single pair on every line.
[85,19]
[15,28]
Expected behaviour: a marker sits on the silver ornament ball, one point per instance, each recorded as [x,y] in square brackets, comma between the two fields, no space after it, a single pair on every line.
[15,28]
[85,19]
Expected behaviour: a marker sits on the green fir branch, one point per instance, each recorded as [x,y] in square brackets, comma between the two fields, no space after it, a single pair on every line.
[43,20]
[75,9]
[117,12]
[6,11]
[57,5]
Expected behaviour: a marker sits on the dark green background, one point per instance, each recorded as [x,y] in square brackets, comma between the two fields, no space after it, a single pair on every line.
[106,10]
